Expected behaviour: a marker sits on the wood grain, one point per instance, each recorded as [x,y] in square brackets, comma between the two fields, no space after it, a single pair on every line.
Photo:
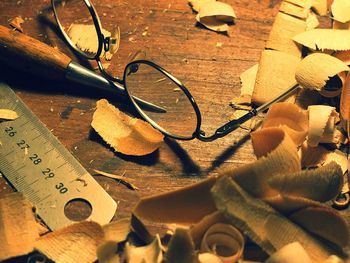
[177,43]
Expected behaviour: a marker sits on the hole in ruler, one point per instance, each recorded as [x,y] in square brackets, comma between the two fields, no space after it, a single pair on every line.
[77,209]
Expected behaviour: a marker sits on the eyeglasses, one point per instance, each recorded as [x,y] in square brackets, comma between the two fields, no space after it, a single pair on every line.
[176,114]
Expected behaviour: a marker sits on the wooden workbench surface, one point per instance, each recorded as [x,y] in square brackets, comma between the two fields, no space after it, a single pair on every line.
[173,40]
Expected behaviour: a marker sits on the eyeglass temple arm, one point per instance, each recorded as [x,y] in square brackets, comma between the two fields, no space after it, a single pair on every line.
[234,124]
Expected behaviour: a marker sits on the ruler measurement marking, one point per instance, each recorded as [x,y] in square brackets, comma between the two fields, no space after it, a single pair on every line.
[7,154]
[61,165]
[43,199]
[25,134]
[23,124]
[36,137]
[49,151]
[20,168]
[33,182]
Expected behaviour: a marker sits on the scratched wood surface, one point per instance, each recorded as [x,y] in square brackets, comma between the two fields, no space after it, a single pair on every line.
[174,40]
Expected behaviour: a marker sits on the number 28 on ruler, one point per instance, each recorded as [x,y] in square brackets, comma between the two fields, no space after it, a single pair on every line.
[35,159]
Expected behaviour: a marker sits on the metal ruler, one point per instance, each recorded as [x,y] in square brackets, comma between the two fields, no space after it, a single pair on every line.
[39,166]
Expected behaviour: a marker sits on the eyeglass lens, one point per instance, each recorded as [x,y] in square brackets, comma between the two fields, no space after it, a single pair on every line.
[148,83]
[77,23]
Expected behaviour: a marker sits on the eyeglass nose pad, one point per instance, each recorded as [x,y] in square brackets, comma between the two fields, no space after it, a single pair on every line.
[106,43]
[111,43]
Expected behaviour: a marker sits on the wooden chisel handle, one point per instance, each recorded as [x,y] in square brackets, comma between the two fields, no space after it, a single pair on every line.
[26,53]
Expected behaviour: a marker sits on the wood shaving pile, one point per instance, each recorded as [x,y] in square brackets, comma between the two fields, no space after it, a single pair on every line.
[277,201]
[275,178]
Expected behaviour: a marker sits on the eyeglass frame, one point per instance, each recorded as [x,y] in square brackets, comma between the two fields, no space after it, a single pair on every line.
[104,42]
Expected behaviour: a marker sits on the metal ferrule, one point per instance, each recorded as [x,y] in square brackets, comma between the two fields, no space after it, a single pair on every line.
[84,76]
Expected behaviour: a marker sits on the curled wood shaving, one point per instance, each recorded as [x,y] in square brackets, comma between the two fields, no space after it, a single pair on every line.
[320,7]
[325,222]
[75,243]
[196,4]
[242,102]
[273,147]
[292,119]
[333,39]
[267,228]
[313,156]
[317,250]
[312,21]
[301,3]
[267,140]
[314,71]
[107,253]
[294,10]
[117,230]
[345,104]
[208,258]
[125,134]
[151,253]
[18,228]
[194,201]
[16,23]
[338,157]
[322,119]
[225,241]
[114,233]
[198,230]
[322,184]
[9,115]
[248,80]
[120,178]
[269,84]
[341,10]
[286,204]
[290,253]
[284,28]
[181,247]
[317,156]
[215,15]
